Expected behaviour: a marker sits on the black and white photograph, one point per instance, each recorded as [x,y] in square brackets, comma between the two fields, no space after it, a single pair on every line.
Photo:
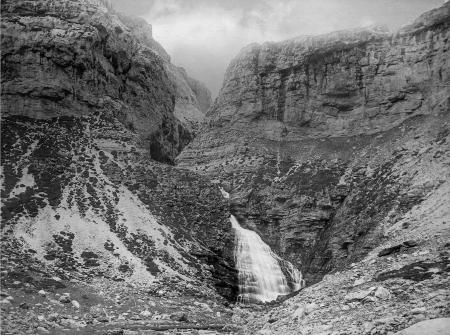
[225,167]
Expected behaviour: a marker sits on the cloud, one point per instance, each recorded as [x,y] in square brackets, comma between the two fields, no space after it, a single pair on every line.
[204,35]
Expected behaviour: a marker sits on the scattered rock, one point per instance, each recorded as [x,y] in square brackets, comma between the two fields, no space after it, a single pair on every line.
[419,310]
[180,316]
[24,305]
[358,296]
[397,248]
[53,317]
[64,299]
[299,313]
[311,307]
[382,293]
[104,319]
[264,332]
[146,313]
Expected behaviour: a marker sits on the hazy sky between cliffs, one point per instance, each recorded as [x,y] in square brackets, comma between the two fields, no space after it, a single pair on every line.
[204,35]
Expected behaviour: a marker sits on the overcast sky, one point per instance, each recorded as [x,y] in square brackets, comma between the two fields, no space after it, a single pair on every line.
[204,35]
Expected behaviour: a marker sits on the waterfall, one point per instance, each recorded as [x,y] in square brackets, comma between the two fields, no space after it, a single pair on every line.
[260,275]
[225,194]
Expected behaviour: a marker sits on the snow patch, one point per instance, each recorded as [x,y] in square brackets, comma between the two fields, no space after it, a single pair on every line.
[225,194]
[27,180]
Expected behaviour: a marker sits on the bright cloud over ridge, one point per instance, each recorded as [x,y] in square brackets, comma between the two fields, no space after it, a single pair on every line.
[204,35]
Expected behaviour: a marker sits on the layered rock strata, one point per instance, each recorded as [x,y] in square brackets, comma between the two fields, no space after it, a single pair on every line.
[73,58]
[324,141]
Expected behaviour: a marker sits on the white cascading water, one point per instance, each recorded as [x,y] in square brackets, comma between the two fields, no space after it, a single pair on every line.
[260,276]
[225,194]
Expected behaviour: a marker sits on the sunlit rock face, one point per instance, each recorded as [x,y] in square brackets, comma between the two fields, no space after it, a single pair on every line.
[87,111]
[323,142]
[261,278]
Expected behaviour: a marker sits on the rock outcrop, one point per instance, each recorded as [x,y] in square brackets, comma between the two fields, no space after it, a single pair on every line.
[325,141]
[193,98]
[90,103]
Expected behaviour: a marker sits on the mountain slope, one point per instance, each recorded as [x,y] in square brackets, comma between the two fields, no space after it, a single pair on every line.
[89,105]
[321,141]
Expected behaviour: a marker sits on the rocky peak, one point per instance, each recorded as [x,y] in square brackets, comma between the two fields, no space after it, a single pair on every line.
[142,31]
[429,19]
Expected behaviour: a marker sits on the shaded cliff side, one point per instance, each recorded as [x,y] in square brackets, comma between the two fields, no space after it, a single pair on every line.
[90,103]
[77,57]
[324,141]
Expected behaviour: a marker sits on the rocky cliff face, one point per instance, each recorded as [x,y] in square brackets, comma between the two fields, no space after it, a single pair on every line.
[192,101]
[89,104]
[325,141]
[193,98]
[74,58]
[343,83]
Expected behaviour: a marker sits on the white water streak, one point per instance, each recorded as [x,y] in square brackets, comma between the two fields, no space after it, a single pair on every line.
[260,275]
[225,194]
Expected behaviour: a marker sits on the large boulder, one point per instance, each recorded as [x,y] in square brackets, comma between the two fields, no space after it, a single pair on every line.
[439,326]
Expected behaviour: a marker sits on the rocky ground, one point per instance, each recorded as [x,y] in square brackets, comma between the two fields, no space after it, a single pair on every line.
[402,282]
[73,266]
[33,304]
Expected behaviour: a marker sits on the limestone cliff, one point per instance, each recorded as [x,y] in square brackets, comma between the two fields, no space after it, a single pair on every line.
[324,141]
[89,102]
[77,57]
